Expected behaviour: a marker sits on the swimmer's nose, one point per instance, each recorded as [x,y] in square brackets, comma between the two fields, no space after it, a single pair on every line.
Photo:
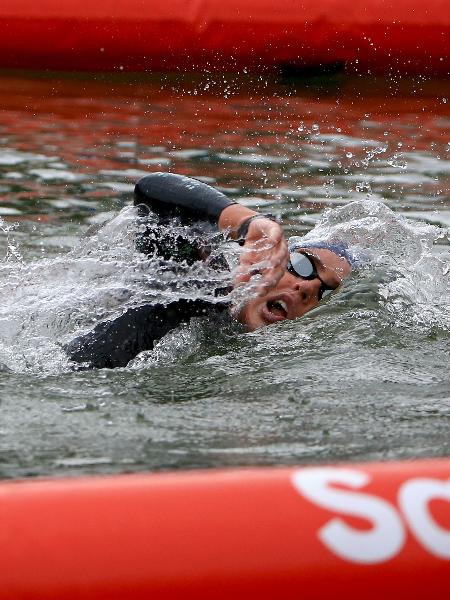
[308,290]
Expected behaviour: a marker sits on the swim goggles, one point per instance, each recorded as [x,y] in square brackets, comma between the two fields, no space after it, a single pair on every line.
[302,265]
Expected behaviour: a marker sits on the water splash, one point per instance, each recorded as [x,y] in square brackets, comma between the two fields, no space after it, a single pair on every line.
[47,302]
[413,283]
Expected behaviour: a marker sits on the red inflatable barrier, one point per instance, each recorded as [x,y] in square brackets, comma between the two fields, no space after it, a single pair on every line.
[355,531]
[384,36]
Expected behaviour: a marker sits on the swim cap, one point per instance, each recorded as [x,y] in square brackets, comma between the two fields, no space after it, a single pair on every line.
[338,247]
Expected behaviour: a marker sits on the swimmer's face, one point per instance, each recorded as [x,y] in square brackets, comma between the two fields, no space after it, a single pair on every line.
[294,296]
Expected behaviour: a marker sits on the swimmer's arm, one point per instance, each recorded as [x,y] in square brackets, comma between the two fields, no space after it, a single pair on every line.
[265,248]
[232,217]
[114,343]
[171,195]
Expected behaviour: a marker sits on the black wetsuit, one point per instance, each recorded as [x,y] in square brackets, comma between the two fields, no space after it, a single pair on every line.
[115,342]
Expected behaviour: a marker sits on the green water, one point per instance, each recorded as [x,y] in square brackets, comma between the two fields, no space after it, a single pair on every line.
[366,376]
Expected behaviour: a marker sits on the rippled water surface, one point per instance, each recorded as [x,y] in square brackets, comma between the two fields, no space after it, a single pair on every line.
[365,376]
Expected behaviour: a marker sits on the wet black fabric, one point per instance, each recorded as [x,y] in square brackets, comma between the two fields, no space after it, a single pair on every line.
[115,342]
[171,195]
[157,238]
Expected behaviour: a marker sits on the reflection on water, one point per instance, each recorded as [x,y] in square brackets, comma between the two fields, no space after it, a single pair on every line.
[364,376]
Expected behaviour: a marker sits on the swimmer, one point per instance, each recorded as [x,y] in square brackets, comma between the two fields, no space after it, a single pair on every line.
[294,277]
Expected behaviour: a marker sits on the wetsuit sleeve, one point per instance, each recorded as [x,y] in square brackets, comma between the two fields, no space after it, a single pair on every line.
[114,343]
[170,195]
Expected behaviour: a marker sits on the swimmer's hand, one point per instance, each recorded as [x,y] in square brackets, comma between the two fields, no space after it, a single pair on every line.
[265,253]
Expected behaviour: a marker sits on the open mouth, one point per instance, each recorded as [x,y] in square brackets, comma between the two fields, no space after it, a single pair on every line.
[277,309]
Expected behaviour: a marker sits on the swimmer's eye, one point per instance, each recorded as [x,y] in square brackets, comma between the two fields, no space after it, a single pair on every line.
[303,265]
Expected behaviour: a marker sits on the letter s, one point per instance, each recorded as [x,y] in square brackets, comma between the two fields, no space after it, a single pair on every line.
[381,543]
[414,497]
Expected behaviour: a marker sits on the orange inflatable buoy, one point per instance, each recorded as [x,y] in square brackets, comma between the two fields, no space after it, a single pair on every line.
[376,36]
[354,531]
